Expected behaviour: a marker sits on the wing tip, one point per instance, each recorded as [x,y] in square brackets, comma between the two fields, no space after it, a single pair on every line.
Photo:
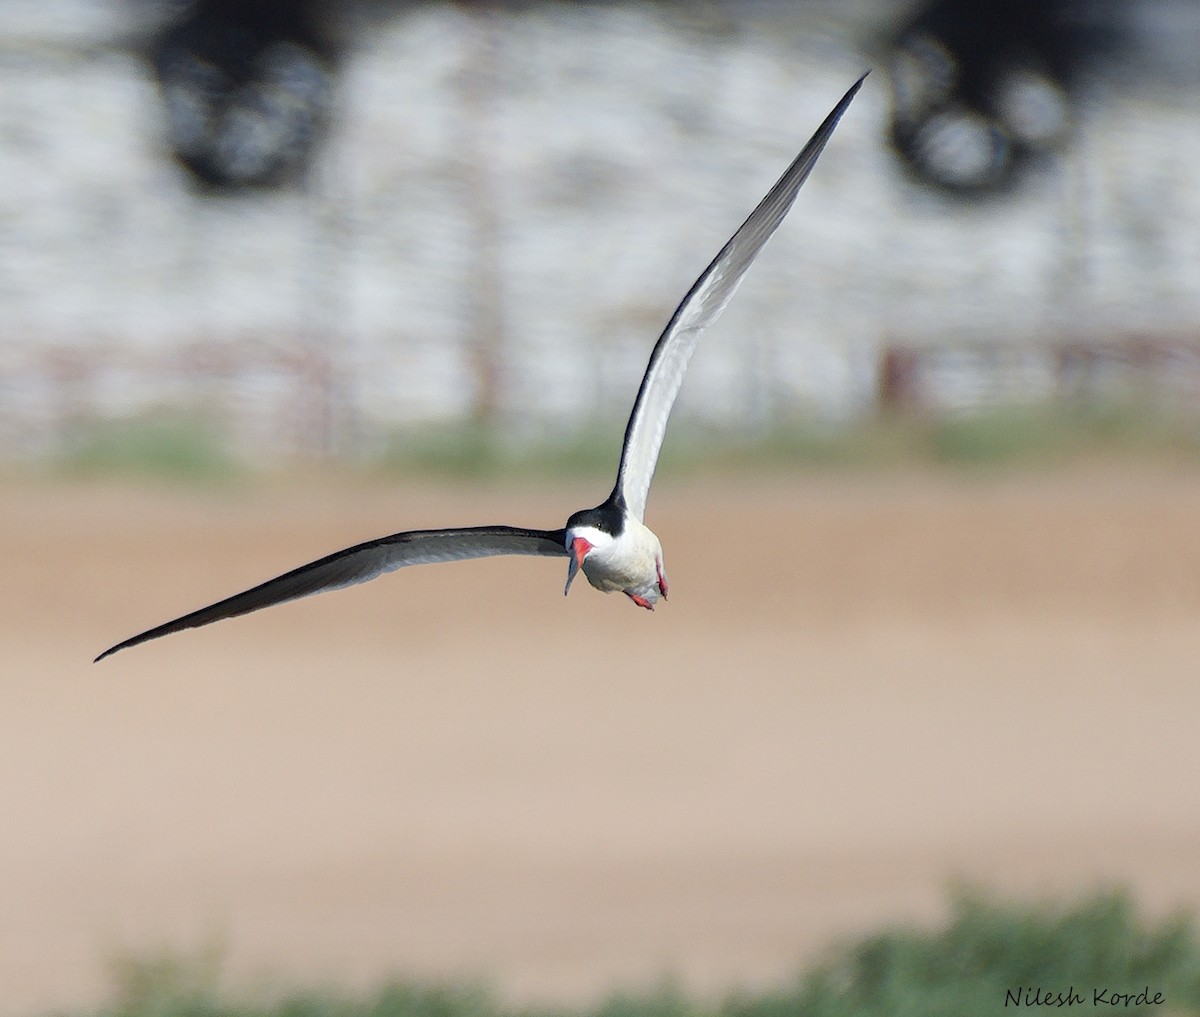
[141,637]
[110,651]
[851,92]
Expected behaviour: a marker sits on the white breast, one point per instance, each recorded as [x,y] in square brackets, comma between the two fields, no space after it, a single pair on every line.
[630,563]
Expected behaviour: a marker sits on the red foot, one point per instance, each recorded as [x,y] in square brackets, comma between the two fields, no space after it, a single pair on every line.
[640,601]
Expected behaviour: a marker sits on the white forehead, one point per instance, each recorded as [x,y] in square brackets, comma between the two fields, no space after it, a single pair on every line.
[595,537]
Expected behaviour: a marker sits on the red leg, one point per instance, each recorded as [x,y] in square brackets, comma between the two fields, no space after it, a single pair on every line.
[662,580]
[640,601]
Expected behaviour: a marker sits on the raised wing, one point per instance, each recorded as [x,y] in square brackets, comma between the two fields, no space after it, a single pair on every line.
[700,308]
[362,562]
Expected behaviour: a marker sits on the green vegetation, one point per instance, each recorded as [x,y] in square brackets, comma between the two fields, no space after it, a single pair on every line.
[1017,436]
[990,948]
[171,446]
[476,450]
[1000,436]
[965,969]
[194,447]
[1056,434]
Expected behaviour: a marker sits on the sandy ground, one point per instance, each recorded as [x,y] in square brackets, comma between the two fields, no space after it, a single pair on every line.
[861,690]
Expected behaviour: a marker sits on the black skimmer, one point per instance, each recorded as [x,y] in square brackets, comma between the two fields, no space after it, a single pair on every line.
[610,543]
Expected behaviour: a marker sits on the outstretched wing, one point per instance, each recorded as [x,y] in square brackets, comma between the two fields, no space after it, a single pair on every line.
[363,562]
[700,308]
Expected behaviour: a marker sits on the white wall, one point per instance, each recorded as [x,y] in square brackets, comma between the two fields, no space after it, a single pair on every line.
[616,148]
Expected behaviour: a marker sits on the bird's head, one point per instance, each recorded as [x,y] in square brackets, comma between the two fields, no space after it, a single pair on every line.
[583,539]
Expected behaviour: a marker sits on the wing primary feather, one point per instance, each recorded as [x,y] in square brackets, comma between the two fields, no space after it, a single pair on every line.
[702,306]
[361,563]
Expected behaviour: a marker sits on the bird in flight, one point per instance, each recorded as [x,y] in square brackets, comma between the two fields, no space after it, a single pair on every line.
[610,544]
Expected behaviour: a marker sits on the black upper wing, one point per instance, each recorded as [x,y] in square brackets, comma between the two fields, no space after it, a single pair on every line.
[363,562]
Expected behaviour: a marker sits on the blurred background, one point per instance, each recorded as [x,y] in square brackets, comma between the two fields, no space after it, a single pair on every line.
[305,225]
[277,277]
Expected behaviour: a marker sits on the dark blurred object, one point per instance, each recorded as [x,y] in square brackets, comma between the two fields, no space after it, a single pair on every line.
[898,389]
[983,88]
[248,86]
